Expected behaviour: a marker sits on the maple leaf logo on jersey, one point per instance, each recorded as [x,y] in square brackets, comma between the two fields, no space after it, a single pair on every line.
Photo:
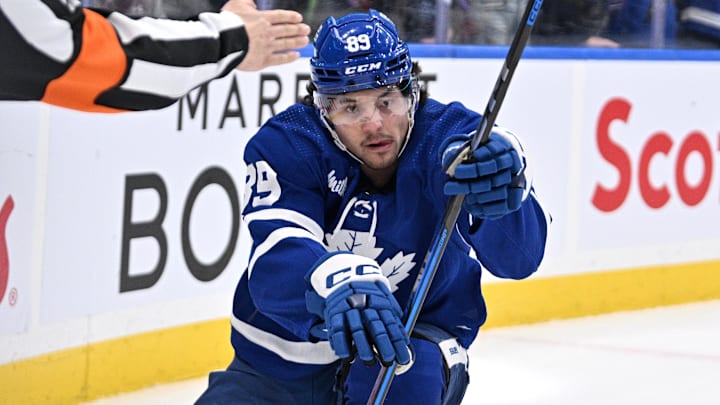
[356,232]
[397,268]
[362,243]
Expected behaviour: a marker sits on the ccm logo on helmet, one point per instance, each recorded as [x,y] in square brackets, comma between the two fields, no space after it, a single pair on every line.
[368,67]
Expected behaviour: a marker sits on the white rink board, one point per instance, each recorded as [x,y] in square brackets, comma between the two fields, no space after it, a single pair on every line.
[65,250]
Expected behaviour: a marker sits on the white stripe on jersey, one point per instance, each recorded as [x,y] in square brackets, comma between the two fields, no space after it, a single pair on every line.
[37,23]
[298,352]
[286,215]
[276,237]
[172,81]
[209,26]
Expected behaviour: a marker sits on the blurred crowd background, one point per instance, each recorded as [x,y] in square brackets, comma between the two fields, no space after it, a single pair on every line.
[588,23]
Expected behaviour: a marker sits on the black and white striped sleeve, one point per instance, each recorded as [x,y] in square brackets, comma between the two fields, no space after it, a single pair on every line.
[101,61]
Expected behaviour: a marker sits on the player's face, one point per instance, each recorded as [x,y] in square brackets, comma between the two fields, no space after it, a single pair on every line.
[372,124]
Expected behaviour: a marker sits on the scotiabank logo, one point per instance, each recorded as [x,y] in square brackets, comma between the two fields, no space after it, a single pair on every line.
[5,211]
[659,145]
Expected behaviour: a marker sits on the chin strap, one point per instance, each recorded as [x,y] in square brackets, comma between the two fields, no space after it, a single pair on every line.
[414,96]
[330,127]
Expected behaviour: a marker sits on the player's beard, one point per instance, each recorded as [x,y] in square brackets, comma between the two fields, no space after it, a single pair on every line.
[380,166]
[381,150]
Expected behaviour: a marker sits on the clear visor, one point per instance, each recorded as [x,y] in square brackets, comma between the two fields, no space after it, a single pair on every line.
[363,106]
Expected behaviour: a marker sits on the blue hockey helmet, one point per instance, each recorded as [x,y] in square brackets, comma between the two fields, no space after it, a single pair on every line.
[357,52]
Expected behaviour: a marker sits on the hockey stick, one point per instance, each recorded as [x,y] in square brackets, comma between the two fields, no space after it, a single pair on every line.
[442,236]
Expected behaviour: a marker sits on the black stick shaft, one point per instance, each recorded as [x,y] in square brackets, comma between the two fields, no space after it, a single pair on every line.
[442,236]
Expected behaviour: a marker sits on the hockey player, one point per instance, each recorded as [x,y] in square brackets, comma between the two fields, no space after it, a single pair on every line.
[343,194]
[60,53]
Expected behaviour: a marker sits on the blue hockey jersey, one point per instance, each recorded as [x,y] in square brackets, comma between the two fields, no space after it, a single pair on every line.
[305,197]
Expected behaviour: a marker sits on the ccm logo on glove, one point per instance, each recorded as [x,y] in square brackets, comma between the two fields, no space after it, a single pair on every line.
[360,316]
[341,268]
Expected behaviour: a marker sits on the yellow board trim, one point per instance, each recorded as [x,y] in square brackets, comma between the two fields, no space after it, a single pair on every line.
[133,362]
[119,365]
[543,299]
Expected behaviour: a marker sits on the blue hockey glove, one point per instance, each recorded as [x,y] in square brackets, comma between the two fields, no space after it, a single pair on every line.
[352,295]
[495,181]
